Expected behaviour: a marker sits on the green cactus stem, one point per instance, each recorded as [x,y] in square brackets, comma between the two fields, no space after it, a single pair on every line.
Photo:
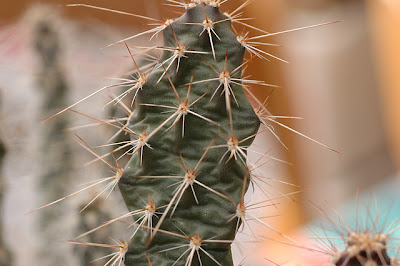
[192,160]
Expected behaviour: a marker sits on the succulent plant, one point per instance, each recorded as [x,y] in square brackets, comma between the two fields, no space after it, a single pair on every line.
[56,160]
[191,160]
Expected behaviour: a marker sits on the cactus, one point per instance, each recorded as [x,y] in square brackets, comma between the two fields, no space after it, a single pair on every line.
[193,160]
[56,152]
[364,249]
[57,160]
[367,244]
[366,239]
[190,130]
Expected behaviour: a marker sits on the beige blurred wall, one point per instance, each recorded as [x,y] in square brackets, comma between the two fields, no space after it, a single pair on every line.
[385,25]
[333,84]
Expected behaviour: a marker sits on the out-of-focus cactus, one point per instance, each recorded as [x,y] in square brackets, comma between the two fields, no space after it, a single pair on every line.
[368,243]
[56,162]
[364,249]
[368,239]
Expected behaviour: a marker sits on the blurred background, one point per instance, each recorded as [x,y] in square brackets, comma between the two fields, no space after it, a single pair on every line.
[342,80]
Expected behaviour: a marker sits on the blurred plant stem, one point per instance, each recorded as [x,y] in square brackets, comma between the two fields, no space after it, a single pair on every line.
[55,159]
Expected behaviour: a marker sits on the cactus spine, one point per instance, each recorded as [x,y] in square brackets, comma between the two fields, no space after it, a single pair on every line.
[190,162]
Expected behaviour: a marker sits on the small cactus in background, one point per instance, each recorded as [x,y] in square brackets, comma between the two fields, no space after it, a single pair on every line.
[366,245]
[364,248]
[366,240]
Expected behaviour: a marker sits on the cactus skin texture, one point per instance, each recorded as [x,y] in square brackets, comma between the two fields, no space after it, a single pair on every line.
[204,209]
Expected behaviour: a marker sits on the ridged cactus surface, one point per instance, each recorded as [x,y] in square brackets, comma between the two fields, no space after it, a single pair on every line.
[192,124]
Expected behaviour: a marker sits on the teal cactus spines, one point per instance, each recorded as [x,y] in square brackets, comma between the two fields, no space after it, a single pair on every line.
[191,162]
